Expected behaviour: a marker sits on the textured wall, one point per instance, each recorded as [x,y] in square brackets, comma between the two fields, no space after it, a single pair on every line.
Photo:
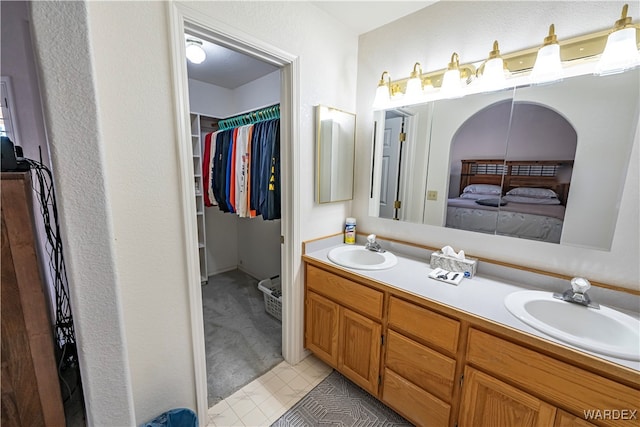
[109,104]
[469,28]
[77,148]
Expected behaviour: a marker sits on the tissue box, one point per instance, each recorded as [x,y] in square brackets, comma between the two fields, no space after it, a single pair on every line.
[468,266]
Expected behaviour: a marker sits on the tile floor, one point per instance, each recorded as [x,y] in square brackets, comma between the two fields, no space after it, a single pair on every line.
[261,402]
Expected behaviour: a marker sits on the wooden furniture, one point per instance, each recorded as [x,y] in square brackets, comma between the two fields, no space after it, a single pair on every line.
[511,174]
[30,386]
[439,366]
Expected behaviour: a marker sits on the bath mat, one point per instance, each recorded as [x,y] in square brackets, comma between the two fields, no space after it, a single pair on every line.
[336,401]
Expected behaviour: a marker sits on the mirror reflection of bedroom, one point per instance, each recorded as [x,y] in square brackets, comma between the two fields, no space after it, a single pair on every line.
[530,162]
[522,193]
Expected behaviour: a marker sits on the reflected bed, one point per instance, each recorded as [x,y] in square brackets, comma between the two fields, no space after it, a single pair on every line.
[514,198]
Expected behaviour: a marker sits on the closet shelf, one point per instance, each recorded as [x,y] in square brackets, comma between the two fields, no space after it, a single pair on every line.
[196,152]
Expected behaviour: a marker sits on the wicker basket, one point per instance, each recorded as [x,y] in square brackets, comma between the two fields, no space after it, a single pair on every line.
[272,291]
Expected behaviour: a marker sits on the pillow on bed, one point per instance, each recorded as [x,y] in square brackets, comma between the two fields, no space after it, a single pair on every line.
[477,196]
[539,193]
[483,189]
[491,202]
[532,200]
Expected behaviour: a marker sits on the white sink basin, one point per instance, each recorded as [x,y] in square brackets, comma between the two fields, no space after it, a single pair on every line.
[352,256]
[604,331]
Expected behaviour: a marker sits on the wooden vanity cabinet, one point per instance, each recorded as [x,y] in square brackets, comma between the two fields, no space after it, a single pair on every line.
[343,326]
[443,367]
[567,386]
[420,365]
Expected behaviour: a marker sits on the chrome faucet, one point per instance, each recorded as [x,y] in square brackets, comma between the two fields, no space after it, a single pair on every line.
[578,293]
[372,245]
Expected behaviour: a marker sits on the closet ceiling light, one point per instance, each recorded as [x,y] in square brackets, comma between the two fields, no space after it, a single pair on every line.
[548,66]
[195,52]
[621,52]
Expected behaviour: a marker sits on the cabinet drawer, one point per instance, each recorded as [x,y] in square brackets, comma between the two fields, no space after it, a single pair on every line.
[422,366]
[415,404]
[424,324]
[567,386]
[350,294]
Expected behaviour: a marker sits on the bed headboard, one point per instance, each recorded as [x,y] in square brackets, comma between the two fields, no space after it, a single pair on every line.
[516,173]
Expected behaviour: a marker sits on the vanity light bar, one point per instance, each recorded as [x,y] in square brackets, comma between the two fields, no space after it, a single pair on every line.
[574,49]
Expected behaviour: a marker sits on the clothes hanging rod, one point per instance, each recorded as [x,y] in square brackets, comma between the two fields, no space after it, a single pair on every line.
[255,116]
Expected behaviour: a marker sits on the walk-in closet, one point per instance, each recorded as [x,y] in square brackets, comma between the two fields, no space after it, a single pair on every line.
[234,102]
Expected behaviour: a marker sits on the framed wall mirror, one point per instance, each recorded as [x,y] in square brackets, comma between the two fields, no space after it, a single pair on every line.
[335,144]
[540,162]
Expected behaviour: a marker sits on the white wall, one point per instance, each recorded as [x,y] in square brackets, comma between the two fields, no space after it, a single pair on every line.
[210,100]
[113,144]
[469,28]
[18,64]
[259,93]
[259,247]
[77,147]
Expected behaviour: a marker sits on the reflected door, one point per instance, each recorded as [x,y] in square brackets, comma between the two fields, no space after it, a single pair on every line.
[390,154]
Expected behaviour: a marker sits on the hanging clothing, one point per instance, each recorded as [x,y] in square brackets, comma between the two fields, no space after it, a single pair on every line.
[273,190]
[245,170]
[207,159]
[212,158]
[219,171]
[241,169]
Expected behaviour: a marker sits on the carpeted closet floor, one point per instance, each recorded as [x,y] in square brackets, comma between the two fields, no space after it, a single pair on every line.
[242,341]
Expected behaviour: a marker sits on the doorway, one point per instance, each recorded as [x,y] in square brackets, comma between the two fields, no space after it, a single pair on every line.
[183,19]
[234,100]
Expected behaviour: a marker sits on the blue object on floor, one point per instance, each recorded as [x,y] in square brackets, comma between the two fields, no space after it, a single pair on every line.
[181,417]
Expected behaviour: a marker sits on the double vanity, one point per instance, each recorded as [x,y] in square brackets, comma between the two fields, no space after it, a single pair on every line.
[485,352]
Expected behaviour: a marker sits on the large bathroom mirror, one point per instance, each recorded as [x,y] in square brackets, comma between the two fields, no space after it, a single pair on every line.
[335,141]
[538,162]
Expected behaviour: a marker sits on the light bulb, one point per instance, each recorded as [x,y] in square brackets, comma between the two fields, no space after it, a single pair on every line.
[620,52]
[451,83]
[548,66]
[493,74]
[195,52]
[382,92]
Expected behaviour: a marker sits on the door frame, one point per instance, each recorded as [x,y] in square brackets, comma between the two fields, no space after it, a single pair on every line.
[180,17]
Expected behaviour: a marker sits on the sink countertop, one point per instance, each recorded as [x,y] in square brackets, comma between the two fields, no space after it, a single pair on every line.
[481,296]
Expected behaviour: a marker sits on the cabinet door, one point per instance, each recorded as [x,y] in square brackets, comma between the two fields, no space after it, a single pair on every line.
[487,401]
[359,355]
[565,419]
[321,328]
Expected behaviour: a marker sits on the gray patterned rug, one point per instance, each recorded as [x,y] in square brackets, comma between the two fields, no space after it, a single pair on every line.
[336,401]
